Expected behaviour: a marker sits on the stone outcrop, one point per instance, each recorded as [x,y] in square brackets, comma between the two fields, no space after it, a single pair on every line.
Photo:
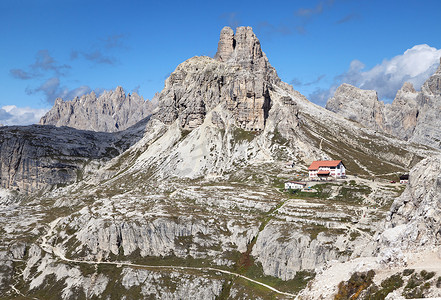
[415,217]
[284,258]
[238,78]
[101,237]
[358,105]
[110,112]
[412,116]
[172,286]
[243,48]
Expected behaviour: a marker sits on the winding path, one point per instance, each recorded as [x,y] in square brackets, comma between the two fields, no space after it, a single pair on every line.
[58,253]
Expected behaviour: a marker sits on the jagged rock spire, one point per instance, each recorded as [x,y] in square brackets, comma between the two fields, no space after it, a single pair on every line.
[112,111]
[244,48]
[226,44]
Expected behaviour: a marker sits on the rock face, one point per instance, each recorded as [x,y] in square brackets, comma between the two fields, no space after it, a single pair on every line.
[239,78]
[110,112]
[427,129]
[226,44]
[283,259]
[402,114]
[36,157]
[412,116]
[432,87]
[244,48]
[415,217]
[358,105]
[154,284]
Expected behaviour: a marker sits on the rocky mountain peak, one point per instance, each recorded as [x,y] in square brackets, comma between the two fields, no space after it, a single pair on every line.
[238,79]
[357,105]
[413,115]
[59,101]
[405,96]
[119,90]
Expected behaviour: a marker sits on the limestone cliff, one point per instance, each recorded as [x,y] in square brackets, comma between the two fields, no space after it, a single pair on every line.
[110,112]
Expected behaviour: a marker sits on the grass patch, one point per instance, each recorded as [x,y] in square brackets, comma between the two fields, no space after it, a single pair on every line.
[353,193]
[408,272]
[353,235]
[314,229]
[323,191]
[418,284]
[278,138]
[239,135]
[226,289]
[389,285]
[51,288]
[255,271]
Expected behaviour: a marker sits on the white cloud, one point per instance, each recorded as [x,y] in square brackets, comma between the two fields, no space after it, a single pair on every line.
[415,65]
[52,89]
[13,115]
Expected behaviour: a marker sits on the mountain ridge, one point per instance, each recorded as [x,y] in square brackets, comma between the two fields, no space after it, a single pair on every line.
[111,111]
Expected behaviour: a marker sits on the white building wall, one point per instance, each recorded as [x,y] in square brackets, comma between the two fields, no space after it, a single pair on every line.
[293,186]
[333,172]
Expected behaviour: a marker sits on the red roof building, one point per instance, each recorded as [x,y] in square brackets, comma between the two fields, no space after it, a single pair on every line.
[322,169]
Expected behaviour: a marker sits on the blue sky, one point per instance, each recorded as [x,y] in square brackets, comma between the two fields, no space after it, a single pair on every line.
[66,48]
